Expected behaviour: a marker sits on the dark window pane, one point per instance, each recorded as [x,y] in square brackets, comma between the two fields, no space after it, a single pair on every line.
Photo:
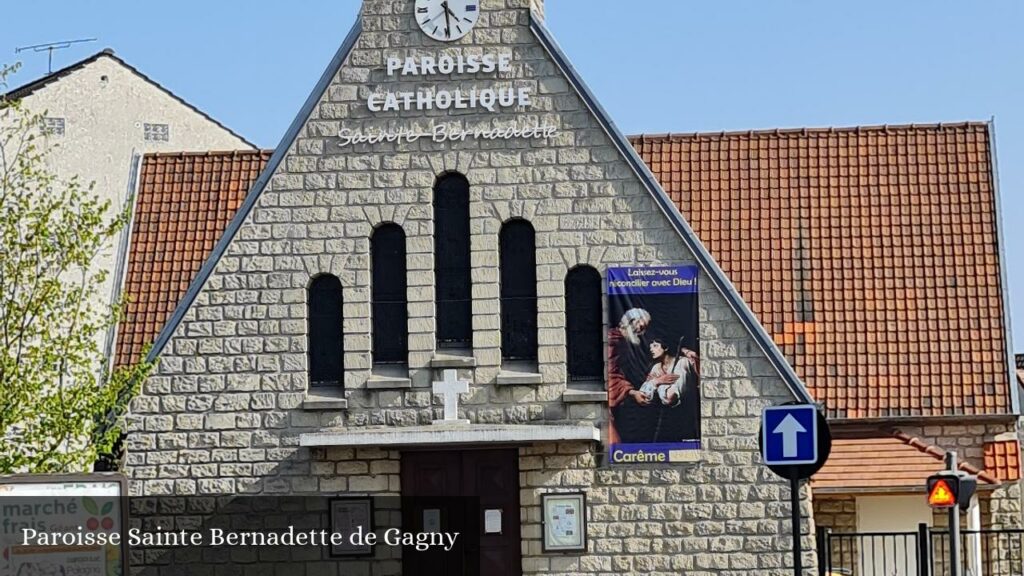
[326,348]
[518,291]
[390,310]
[451,261]
[583,327]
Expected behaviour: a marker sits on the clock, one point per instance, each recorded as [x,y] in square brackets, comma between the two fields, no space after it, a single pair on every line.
[447,20]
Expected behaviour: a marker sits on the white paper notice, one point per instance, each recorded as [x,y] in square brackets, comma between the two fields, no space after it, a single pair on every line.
[432,520]
[492,521]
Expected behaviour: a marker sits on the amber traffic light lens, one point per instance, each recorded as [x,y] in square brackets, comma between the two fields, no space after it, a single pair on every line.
[941,495]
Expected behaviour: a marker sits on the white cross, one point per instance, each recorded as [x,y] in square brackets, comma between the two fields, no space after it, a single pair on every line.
[450,388]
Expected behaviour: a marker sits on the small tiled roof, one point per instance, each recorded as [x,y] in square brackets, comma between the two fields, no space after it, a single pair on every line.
[39,83]
[184,203]
[892,460]
[1002,459]
[869,254]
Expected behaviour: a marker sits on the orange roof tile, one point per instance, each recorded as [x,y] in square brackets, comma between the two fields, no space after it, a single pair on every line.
[869,254]
[894,460]
[184,203]
[1002,459]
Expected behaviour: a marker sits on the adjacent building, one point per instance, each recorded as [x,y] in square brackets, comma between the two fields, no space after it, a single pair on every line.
[873,256]
[101,115]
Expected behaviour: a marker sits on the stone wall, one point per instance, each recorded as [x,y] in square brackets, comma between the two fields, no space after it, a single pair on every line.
[838,514]
[229,398]
[702,520]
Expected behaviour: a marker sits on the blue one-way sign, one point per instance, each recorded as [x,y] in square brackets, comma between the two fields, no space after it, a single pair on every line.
[789,435]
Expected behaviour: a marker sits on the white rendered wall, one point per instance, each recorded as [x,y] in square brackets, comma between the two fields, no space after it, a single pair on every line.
[104,106]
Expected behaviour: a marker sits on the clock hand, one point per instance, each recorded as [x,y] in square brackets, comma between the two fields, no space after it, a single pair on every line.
[439,14]
[447,20]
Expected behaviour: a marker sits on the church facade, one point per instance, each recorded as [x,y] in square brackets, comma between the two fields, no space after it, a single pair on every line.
[416,300]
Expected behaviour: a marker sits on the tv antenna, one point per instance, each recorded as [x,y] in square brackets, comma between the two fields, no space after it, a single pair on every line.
[51,47]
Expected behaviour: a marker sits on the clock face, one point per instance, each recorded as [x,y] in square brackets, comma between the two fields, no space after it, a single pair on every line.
[447,20]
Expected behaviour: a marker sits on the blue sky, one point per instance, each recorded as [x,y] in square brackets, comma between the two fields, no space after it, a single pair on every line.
[657,65]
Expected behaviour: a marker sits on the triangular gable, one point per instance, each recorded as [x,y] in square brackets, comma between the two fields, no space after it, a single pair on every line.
[32,87]
[678,223]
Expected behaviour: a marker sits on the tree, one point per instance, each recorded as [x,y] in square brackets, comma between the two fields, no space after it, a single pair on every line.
[60,403]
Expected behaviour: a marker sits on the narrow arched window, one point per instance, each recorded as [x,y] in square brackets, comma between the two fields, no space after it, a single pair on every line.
[326,347]
[389,305]
[518,260]
[583,324]
[451,262]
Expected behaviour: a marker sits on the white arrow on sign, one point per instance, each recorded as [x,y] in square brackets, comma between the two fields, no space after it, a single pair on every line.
[789,428]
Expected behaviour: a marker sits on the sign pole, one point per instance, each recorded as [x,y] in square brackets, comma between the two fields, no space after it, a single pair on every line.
[795,443]
[954,523]
[794,504]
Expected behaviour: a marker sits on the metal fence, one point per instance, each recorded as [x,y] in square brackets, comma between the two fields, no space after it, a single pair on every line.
[921,553]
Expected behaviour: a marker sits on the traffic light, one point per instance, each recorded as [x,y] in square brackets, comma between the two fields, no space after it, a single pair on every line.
[949,489]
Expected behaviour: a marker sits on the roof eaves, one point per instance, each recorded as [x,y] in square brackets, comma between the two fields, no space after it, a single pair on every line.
[256,191]
[675,217]
[30,88]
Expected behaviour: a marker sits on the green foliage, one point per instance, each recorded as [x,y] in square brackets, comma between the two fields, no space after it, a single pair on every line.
[59,402]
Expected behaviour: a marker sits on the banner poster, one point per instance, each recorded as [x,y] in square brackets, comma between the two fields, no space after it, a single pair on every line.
[80,508]
[653,364]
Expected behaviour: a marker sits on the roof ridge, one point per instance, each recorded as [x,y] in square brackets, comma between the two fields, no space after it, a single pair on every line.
[808,130]
[940,454]
[185,153]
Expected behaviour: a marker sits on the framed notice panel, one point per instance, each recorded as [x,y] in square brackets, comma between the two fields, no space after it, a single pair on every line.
[565,522]
[347,516]
[50,503]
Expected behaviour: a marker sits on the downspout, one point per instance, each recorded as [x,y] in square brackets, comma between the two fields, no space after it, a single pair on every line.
[121,264]
[974,538]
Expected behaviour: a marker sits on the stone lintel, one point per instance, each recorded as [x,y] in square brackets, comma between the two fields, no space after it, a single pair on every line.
[325,400]
[453,360]
[377,382]
[571,396]
[449,435]
[518,375]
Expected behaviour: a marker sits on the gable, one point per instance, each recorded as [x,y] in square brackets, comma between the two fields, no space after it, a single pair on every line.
[71,86]
[582,184]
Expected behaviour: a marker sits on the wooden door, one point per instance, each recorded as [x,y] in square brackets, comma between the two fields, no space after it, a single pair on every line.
[461,490]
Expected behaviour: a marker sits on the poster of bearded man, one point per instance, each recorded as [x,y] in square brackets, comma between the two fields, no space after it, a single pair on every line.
[653,364]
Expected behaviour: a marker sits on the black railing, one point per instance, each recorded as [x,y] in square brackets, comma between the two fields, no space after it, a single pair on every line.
[870,553]
[921,553]
[982,552]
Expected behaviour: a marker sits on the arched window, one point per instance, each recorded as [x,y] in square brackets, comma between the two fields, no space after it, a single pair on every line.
[518,262]
[326,347]
[390,309]
[451,262]
[583,324]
